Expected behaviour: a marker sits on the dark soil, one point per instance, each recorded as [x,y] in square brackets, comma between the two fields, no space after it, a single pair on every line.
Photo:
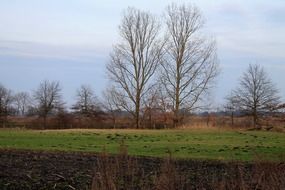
[41,170]
[20,169]
[58,170]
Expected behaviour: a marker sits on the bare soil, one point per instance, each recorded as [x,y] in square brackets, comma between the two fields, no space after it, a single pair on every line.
[61,170]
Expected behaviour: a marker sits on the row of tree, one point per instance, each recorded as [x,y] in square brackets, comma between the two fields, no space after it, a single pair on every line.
[256,95]
[165,67]
[178,68]
[46,100]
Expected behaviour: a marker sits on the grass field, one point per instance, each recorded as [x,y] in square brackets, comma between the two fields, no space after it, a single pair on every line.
[216,144]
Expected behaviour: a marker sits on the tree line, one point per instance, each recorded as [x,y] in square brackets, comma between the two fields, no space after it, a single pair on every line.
[163,65]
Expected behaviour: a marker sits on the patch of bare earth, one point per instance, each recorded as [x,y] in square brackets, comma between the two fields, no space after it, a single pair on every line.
[60,170]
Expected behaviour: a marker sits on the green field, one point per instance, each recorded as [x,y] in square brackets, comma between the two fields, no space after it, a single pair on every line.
[216,144]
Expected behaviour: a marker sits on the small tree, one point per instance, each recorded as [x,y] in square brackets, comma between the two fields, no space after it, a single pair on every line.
[111,104]
[232,106]
[22,103]
[256,94]
[86,101]
[6,100]
[150,106]
[156,106]
[48,98]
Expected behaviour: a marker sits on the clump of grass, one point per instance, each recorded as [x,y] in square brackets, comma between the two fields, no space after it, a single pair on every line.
[169,178]
[117,172]
[260,175]
[124,172]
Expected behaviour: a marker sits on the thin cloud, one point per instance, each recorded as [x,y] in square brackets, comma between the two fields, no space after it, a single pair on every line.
[47,51]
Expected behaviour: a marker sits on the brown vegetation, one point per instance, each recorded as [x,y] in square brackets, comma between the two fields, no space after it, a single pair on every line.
[156,121]
[124,172]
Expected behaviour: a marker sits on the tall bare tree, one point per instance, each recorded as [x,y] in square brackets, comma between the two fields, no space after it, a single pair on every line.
[190,64]
[256,93]
[135,59]
[48,98]
[22,102]
[6,99]
[86,102]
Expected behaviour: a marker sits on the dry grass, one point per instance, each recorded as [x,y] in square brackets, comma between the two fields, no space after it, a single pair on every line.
[119,172]
[123,172]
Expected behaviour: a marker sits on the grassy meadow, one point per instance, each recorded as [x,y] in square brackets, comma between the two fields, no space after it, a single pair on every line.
[213,143]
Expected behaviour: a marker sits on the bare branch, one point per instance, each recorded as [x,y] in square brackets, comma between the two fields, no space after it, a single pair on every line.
[135,59]
[256,93]
[190,64]
[48,98]
[87,103]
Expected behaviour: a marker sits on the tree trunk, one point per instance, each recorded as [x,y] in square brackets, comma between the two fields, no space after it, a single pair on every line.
[177,95]
[232,118]
[208,119]
[137,116]
[137,111]
[114,122]
[175,119]
[255,119]
[176,110]
[137,121]
[45,122]
[150,118]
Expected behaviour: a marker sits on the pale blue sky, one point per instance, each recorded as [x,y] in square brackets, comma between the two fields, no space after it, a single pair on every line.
[70,40]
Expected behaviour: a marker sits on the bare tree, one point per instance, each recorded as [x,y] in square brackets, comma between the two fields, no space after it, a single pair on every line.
[22,102]
[111,104]
[256,93]
[156,105]
[48,98]
[134,60]
[190,63]
[87,103]
[150,106]
[232,105]
[6,99]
